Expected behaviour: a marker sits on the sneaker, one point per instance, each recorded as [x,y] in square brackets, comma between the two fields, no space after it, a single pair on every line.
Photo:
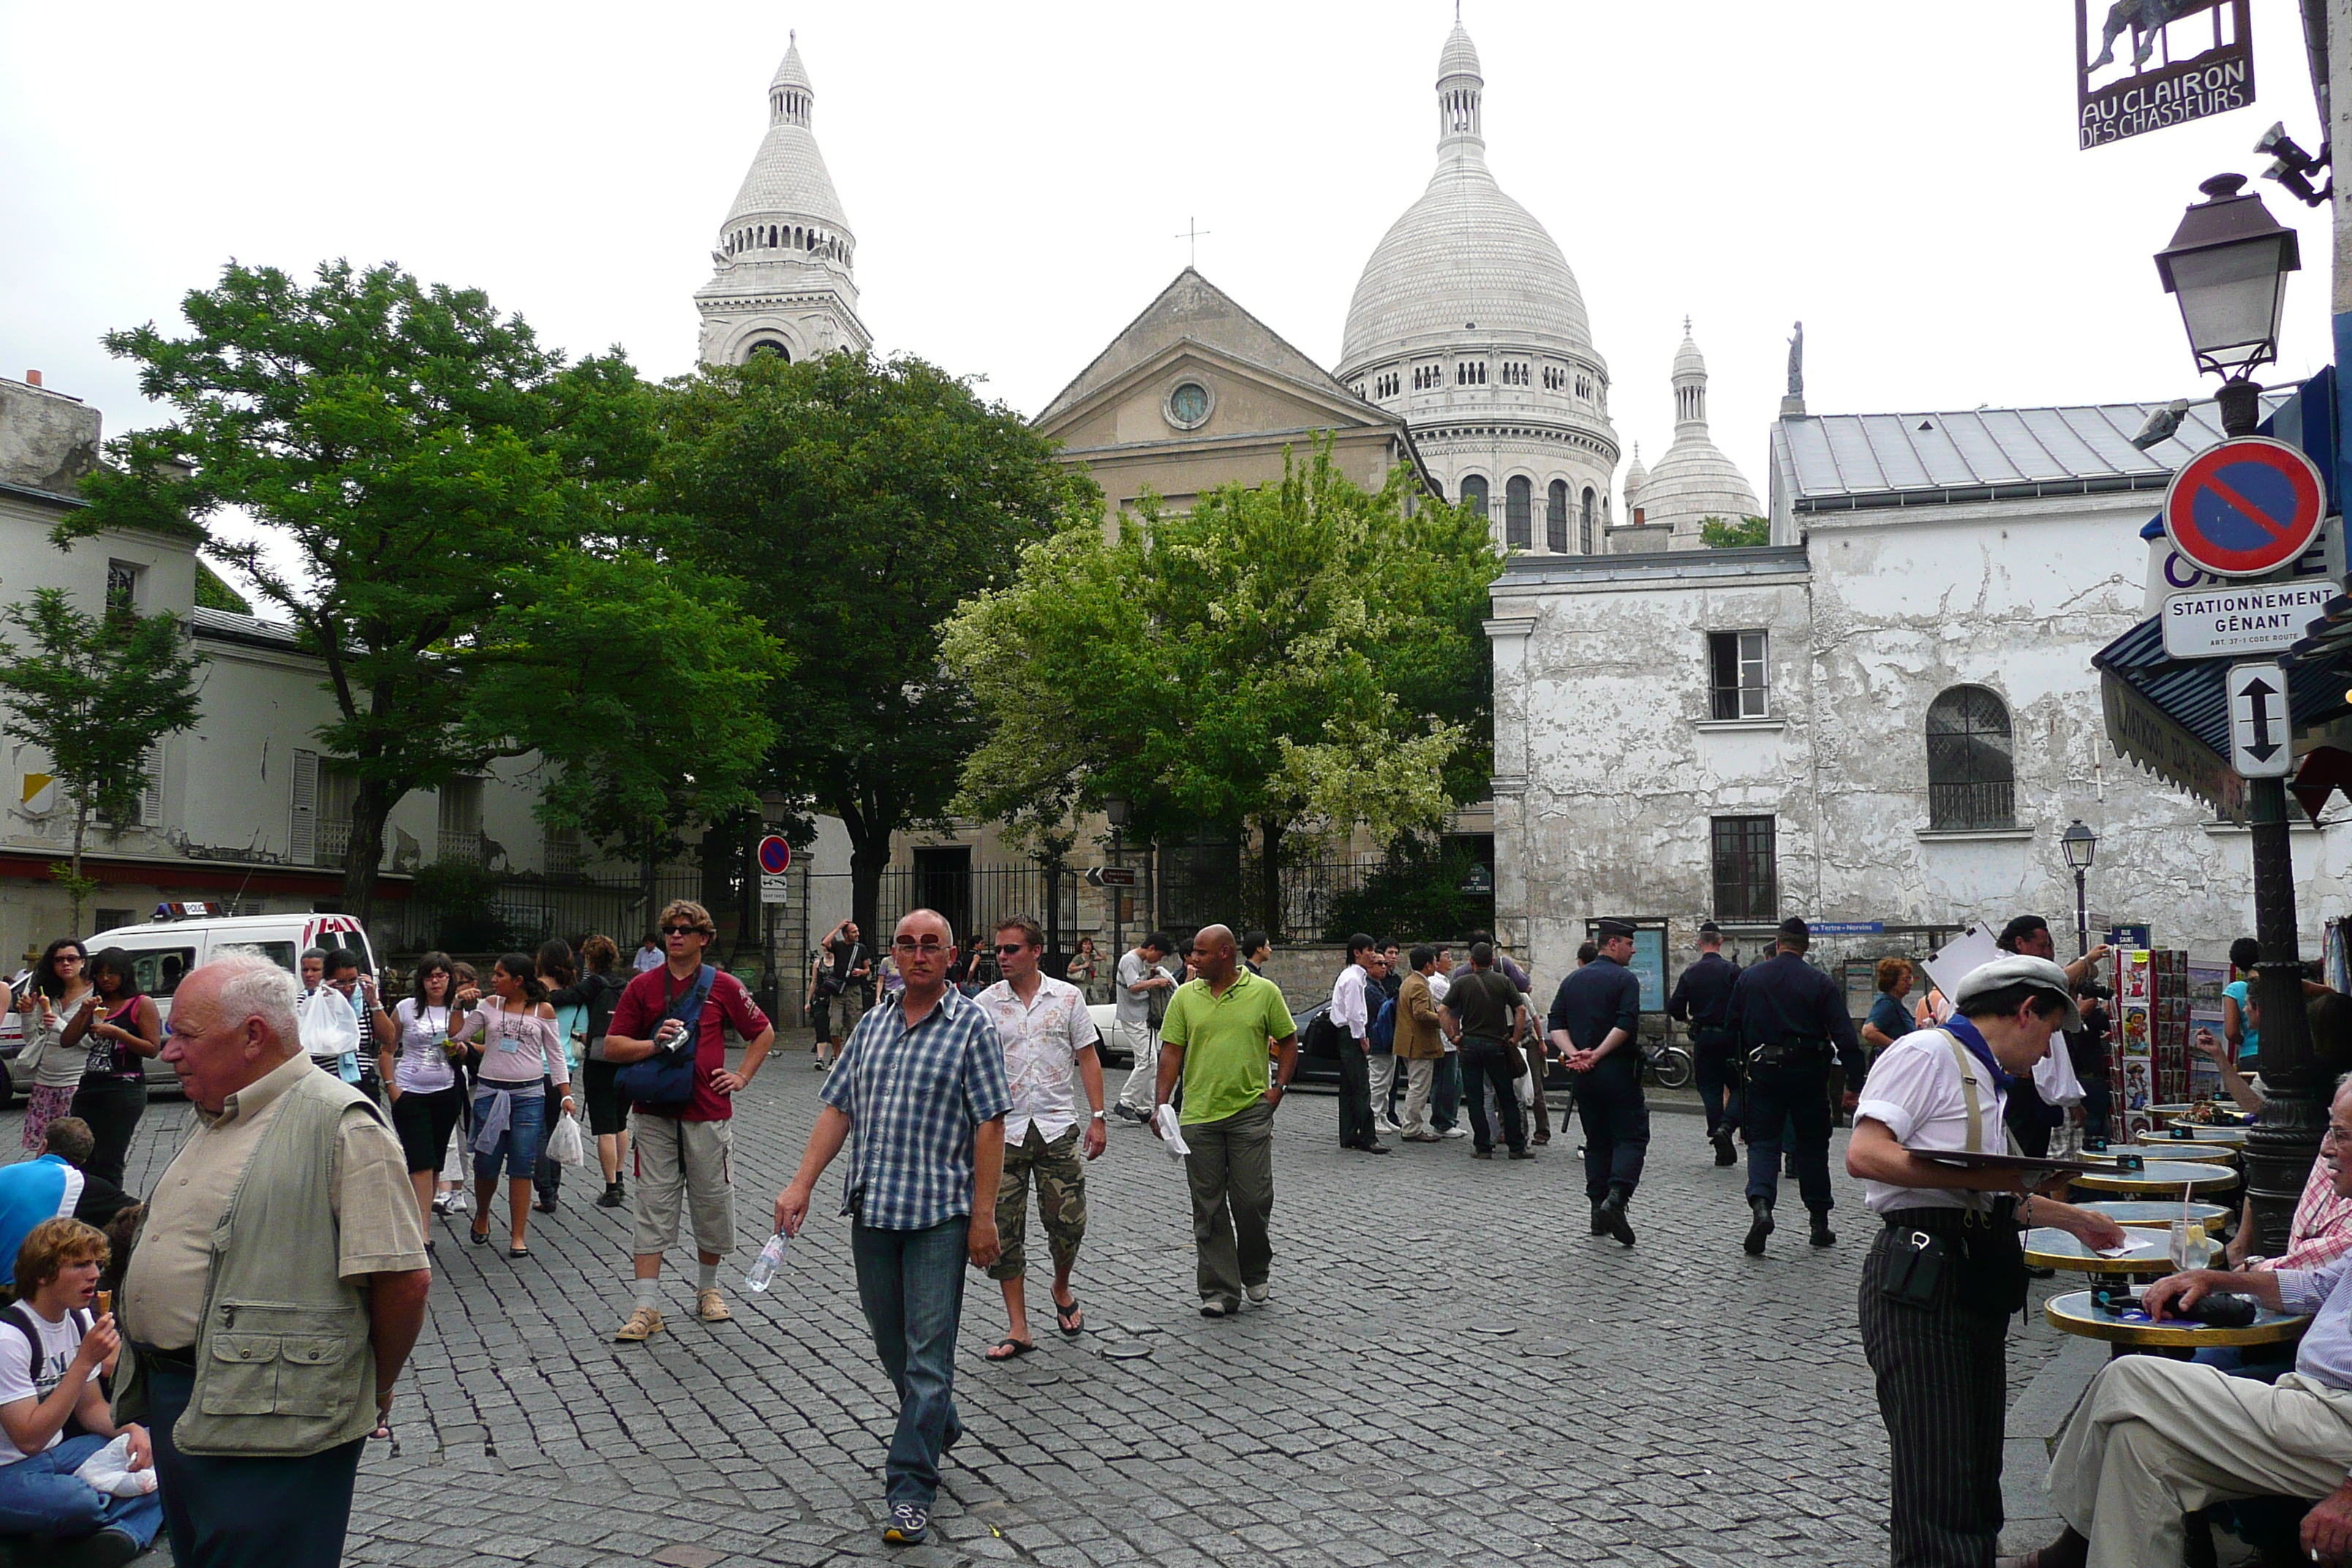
[457,1203]
[612,1197]
[909,1525]
[642,1325]
[1219,1307]
[1258,1294]
[1382,1124]
[1454,1132]
[1523,1154]
[1423,1138]
[440,1203]
[712,1306]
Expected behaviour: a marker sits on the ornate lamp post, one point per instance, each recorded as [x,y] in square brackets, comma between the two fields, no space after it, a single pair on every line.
[2080,843]
[1118,809]
[2226,266]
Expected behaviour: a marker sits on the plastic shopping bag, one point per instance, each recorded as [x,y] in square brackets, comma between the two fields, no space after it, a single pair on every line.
[1525,1086]
[327,1025]
[109,1474]
[563,1144]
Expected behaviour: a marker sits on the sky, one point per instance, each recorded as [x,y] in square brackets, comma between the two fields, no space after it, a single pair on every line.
[1903,177]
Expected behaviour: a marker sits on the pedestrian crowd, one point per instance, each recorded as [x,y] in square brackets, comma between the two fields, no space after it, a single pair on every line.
[212,1361]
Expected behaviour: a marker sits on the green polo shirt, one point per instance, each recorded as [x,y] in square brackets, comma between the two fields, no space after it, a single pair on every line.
[1225,1040]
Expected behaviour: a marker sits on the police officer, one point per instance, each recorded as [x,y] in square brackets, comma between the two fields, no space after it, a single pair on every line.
[1594,1018]
[1789,1017]
[1702,999]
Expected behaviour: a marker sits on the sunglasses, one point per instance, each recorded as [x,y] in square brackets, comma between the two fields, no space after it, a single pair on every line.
[682,930]
[926,947]
[1007,949]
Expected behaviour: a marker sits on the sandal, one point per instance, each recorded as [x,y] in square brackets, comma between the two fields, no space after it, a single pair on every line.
[1071,1319]
[1009,1349]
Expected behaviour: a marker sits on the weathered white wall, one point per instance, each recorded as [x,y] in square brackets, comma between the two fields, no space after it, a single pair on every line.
[1602,697]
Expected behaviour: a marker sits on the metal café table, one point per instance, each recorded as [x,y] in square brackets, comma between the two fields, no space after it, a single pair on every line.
[2047,1247]
[2157,1213]
[2161,1177]
[2073,1313]
[2157,1146]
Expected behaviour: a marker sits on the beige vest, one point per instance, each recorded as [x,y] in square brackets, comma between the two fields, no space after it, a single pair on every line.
[284,1364]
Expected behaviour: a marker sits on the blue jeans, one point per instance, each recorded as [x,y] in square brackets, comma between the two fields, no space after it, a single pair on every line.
[911,1283]
[517,1146]
[248,1512]
[40,1496]
[1445,1095]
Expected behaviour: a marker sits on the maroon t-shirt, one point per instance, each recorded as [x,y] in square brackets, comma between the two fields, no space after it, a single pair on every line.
[648,998]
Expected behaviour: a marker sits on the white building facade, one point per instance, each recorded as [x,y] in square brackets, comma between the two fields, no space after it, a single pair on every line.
[1468,322]
[1889,716]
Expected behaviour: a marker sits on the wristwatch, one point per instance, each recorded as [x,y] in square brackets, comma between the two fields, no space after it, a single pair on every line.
[1099,1116]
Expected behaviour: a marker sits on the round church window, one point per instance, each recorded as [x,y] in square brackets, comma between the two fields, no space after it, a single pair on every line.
[1189,405]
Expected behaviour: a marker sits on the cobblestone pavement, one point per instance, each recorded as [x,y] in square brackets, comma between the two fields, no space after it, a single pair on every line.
[1450,1369]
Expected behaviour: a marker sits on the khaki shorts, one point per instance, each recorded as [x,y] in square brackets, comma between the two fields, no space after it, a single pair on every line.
[683,1159]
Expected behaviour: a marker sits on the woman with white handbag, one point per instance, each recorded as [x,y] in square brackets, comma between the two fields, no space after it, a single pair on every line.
[58,988]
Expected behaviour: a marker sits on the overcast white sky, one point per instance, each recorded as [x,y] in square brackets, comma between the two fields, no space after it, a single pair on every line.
[1902,176]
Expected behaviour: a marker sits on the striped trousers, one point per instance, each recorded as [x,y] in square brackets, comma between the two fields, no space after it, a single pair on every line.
[1942,1392]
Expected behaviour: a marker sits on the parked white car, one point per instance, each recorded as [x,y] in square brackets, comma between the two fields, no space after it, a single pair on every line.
[165,949]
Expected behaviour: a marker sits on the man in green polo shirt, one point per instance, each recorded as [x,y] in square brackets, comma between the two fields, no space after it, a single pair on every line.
[1216,1038]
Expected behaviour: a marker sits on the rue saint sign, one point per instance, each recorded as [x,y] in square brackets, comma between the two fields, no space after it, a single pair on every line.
[2259,735]
[2148,64]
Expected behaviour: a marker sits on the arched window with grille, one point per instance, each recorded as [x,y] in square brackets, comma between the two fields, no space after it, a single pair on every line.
[1556,518]
[1971,761]
[1473,494]
[1584,524]
[1519,512]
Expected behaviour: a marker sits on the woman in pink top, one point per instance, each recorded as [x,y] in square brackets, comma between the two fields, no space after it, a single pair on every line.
[515,1024]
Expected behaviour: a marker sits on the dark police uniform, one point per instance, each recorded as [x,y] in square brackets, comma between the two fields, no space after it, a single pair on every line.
[1789,1017]
[1702,999]
[1604,995]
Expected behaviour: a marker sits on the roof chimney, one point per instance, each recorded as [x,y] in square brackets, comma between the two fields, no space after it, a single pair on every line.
[32,378]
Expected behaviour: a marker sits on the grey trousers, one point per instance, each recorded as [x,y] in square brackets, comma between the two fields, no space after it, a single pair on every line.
[1231,1170]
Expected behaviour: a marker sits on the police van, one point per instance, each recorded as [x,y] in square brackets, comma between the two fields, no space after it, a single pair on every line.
[180,937]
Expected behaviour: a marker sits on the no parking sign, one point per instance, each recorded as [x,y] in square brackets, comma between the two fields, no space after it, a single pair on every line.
[2247,507]
[775,859]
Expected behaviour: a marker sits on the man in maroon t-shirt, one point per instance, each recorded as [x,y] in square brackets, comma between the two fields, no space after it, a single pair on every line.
[684,1153]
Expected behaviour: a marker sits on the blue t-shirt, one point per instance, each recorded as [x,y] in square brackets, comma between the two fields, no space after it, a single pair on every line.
[1889,1017]
[2252,1046]
[30,1192]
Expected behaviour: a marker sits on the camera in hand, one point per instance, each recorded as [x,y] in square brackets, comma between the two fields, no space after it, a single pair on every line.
[2212,1312]
[2092,991]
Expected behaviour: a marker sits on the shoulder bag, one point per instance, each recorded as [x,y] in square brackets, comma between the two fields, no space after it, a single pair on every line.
[664,1082]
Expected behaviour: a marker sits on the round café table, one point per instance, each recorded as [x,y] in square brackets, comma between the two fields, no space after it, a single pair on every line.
[2157,1146]
[2199,1131]
[2156,1213]
[2160,1176]
[2073,1313]
[2047,1247]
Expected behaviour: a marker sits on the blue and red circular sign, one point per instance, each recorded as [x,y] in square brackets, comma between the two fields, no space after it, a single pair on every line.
[2246,507]
[775,855]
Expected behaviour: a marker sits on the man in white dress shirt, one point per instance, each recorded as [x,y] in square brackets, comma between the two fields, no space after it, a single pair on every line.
[1050,1054]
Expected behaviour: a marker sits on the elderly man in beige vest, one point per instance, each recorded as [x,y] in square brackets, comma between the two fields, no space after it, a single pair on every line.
[275,1285]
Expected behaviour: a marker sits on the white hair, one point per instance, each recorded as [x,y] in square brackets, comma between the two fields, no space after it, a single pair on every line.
[253,987]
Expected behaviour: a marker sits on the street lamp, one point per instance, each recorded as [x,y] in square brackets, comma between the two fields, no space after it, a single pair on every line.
[1117,810]
[2080,843]
[2226,266]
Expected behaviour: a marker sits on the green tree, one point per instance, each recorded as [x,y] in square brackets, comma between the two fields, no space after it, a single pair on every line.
[643,687]
[415,455]
[1720,534]
[95,693]
[861,501]
[1294,659]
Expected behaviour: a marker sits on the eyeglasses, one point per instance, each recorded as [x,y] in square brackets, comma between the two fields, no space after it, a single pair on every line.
[926,947]
[2334,1134]
[682,930]
[1007,949]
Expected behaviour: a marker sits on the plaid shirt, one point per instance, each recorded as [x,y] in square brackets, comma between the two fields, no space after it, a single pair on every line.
[2322,1230]
[913,1097]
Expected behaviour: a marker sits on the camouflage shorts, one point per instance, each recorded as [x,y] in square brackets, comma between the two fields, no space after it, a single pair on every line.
[1061,1173]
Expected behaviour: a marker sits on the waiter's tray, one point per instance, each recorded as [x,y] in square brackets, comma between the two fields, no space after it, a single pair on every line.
[1977,1161]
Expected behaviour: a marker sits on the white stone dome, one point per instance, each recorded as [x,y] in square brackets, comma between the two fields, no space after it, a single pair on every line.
[1695,480]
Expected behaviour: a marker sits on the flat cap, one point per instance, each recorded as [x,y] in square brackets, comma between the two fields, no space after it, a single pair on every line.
[1608,929]
[2019,970]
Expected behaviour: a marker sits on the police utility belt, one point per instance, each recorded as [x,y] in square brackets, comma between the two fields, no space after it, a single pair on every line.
[1791,1051]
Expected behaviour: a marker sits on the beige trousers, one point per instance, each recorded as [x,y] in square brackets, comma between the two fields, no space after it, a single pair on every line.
[2154,1439]
[1419,1075]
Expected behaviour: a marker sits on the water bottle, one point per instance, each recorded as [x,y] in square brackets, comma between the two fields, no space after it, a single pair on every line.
[764,1266]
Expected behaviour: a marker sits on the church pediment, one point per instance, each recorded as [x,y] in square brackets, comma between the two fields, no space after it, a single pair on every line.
[1192,392]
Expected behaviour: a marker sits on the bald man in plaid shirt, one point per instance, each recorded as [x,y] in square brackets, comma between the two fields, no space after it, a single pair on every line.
[921,1085]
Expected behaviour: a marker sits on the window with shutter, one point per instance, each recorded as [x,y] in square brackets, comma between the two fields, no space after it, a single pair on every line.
[150,795]
[302,836]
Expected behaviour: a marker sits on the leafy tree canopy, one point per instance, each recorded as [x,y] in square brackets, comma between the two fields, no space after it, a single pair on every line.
[1720,534]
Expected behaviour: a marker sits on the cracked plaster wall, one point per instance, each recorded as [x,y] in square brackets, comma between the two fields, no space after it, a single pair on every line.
[1608,772]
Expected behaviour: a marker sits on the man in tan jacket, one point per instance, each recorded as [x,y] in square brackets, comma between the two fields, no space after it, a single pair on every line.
[1419,1045]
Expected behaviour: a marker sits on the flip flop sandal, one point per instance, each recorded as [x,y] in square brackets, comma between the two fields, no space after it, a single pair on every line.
[1019,1348]
[1071,1319]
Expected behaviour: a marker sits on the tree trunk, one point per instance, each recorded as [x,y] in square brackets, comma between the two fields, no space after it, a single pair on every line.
[365,853]
[870,856]
[78,890]
[1270,877]
[646,868]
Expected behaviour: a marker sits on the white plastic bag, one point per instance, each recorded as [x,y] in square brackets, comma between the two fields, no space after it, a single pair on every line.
[563,1144]
[109,1474]
[327,1025]
[1525,1086]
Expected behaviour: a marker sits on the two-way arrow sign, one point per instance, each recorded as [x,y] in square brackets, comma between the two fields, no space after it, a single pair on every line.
[2259,728]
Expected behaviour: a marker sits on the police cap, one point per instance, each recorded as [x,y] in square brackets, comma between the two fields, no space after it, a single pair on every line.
[1609,929]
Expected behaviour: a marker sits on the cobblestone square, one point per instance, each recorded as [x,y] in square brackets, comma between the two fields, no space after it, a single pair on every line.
[1450,1370]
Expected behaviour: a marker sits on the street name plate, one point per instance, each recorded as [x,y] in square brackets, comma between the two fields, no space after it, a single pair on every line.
[2208,623]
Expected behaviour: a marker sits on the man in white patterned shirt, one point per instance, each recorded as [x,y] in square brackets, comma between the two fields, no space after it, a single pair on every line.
[1051,1053]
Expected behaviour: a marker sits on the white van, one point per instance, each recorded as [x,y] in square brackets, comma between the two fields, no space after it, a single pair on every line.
[183,936]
